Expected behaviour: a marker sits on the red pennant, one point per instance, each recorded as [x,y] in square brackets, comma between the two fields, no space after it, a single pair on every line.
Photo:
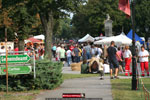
[124,6]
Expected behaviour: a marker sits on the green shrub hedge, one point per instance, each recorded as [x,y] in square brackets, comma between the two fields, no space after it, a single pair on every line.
[48,76]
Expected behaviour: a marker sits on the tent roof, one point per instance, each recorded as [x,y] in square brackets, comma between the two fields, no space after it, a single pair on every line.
[137,38]
[42,37]
[119,39]
[86,39]
[33,40]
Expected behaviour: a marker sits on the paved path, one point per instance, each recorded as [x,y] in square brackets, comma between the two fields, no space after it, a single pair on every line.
[92,87]
[67,70]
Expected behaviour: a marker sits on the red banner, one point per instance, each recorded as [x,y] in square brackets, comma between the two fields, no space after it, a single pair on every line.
[124,6]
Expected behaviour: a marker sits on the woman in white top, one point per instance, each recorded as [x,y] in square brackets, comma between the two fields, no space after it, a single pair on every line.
[143,57]
[68,54]
[127,56]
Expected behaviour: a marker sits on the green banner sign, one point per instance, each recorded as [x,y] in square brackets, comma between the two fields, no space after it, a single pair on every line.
[15,59]
[15,70]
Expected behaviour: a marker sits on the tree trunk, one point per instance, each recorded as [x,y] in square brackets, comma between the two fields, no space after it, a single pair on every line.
[47,23]
[21,45]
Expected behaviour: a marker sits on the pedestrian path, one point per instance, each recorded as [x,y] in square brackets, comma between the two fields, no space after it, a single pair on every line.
[67,70]
[91,86]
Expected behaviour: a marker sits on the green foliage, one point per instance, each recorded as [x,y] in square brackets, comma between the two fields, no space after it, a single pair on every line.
[121,89]
[64,29]
[91,16]
[142,17]
[48,76]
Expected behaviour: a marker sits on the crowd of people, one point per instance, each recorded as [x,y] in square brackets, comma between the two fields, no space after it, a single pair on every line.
[118,58]
[75,52]
[36,51]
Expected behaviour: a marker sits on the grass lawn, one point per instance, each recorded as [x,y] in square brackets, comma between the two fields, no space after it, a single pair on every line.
[71,76]
[30,95]
[121,89]
[25,95]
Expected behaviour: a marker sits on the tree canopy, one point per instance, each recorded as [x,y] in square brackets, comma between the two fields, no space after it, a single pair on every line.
[28,17]
[90,17]
[49,12]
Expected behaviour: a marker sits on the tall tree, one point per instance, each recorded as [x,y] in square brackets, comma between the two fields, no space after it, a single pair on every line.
[49,10]
[142,18]
[90,17]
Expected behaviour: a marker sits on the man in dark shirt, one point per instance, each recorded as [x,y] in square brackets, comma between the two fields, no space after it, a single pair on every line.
[76,54]
[113,62]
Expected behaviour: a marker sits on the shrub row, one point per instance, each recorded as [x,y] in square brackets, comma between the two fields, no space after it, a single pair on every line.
[48,76]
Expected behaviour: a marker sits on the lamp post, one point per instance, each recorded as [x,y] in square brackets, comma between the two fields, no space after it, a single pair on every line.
[146,29]
[134,79]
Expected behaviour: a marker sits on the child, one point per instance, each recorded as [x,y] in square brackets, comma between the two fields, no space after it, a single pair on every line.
[84,67]
[101,69]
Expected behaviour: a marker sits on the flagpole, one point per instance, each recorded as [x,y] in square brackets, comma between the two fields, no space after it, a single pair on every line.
[134,79]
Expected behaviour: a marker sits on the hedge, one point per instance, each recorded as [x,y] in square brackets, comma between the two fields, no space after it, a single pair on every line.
[48,76]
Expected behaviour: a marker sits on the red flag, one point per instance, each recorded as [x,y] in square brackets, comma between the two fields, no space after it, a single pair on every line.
[124,6]
[101,34]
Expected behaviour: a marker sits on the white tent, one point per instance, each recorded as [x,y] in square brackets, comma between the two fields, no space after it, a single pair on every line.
[41,37]
[100,38]
[87,38]
[119,39]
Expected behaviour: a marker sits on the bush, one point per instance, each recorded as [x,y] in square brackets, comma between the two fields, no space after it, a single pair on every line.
[48,76]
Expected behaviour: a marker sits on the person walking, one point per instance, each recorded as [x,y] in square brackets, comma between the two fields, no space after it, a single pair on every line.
[113,62]
[76,54]
[119,52]
[93,50]
[54,50]
[58,52]
[127,56]
[80,53]
[62,54]
[88,51]
[143,57]
[68,54]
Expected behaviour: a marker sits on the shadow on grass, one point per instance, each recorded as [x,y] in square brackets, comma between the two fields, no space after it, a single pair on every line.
[121,90]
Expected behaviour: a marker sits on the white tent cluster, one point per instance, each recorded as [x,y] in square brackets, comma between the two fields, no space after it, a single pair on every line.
[87,38]
[41,37]
[38,37]
[121,39]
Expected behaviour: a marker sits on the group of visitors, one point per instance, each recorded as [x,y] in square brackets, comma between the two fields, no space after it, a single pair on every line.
[115,59]
[35,50]
[118,58]
[75,52]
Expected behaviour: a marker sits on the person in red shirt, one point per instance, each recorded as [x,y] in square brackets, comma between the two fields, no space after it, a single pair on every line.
[71,47]
[16,49]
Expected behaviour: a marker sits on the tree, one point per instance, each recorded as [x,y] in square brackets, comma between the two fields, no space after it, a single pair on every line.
[48,10]
[90,17]
[65,29]
[142,17]
[18,21]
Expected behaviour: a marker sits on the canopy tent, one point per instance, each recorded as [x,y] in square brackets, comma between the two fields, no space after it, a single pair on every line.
[119,39]
[41,37]
[137,38]
[87,38]
[33,40]
[100,38]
